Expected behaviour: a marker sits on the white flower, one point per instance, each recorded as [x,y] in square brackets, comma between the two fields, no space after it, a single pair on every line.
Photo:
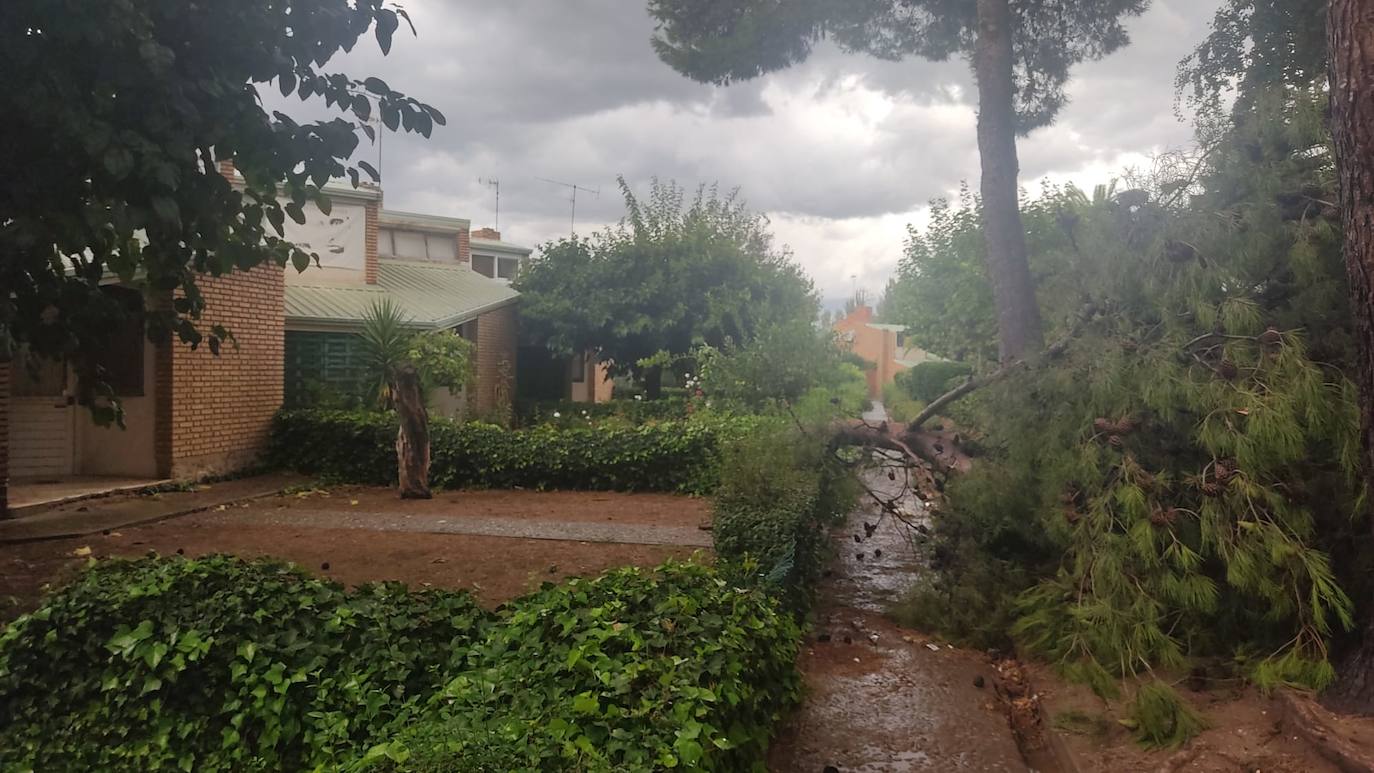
[557,415]
[639,397]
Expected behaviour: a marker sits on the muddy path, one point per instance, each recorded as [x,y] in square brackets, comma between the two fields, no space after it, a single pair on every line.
[879,697]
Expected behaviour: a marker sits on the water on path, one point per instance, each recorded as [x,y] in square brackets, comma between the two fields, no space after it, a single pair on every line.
[880,698]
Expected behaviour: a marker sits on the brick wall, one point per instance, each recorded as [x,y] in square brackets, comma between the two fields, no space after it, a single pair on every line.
[215,412]
[495,371]
[4,438]
[464,246]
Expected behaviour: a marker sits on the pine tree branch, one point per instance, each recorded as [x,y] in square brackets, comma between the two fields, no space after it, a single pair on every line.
[976,383]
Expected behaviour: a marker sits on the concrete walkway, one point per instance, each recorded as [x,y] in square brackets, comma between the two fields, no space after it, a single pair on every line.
[519,528]
[92,516]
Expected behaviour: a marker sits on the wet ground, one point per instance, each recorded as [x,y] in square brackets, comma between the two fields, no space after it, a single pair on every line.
[883,699]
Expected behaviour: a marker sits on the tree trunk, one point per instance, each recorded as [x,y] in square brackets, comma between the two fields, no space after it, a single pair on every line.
[1018,316]
[1350,33]
[653,382]
[412,438]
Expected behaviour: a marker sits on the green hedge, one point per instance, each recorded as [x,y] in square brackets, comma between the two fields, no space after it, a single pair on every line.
[566,413]
[632,671]
[778,497]
[359,447]
[218,664]
[929,380]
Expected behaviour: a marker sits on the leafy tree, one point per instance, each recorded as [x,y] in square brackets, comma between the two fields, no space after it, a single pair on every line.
[1021,52]
[670,276]
[119,116]
[781,364]
[405,364]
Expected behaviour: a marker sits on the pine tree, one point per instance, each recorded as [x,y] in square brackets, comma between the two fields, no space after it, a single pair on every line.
[1021,51]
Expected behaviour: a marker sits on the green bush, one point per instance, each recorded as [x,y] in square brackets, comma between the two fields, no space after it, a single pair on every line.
[777,498]
[568,414]
[929,380]
[359,447]
[218,664]
[632,671]
[901,407]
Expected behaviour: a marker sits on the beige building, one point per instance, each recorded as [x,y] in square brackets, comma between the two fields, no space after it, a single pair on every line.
[882,345]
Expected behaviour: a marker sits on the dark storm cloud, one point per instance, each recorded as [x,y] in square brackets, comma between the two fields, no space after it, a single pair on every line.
[843,150]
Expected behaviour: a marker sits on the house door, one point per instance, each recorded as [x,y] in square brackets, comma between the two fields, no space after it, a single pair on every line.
[42,422]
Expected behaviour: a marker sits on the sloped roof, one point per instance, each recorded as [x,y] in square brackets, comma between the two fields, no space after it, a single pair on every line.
[435,296]
[885,326]
[495,245]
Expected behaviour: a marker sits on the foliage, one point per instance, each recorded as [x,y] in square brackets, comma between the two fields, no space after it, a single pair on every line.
[631,671]
[442,358]
[1255,46]
[1183,481]
[359,447]
[673,274]
[928,380]
[110,164]
[1162,718]
[726,42]
[901,407]
[780,365]
[218,664]
[569,414]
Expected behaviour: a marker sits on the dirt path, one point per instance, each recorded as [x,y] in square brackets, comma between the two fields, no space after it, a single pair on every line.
[881,698]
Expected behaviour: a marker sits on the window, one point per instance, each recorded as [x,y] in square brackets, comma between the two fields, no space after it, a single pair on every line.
[484,265]
[506,268]
[410,245]
[442,247]
[578,365]
[417,245]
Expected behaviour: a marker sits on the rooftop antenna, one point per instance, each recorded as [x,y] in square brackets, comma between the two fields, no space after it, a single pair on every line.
[495,184]
[573,198]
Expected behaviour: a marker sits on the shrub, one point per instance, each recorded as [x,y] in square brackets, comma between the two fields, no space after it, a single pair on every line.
[776,500]
[929,380]
[901,407]
[566,413]
[218,664]
[632,671]
[359,447]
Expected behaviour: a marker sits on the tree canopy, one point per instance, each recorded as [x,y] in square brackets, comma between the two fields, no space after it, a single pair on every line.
[674,273]
[118,118]
[725,40]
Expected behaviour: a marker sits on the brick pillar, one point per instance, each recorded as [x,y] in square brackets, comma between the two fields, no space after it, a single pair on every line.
[373,211]
[496,344]
[4,439]
[464,247]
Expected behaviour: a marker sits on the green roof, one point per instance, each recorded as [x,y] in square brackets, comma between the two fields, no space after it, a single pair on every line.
[884,326]
[494,245]
[435,296]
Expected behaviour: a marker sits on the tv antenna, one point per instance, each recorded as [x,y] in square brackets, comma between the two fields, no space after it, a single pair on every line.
[573,188]
[495,184]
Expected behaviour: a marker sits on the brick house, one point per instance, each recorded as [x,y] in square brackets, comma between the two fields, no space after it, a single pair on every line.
[424,265]
[881,344]
[189,413]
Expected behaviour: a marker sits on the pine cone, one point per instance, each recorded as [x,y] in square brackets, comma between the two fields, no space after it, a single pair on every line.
[1126,426]
[1115,441]
[1072,516]
[1228,370]
[1271,336]
[1102,424]
[1211,489]
[1164,518]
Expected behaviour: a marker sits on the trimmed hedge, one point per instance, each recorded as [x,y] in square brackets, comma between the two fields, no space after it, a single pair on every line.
[929,380]
[633,671]
[219,664]
[359,447]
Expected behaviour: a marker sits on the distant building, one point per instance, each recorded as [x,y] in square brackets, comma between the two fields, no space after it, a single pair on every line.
[882,345]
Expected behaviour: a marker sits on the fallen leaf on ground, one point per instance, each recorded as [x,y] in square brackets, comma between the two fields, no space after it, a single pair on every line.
[82,552]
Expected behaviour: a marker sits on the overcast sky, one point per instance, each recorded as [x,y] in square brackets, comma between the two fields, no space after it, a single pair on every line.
[841,152]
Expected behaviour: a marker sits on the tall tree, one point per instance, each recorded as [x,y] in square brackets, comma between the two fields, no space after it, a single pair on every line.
[1350,30]
[673,274]
[117,117]
[1021,52]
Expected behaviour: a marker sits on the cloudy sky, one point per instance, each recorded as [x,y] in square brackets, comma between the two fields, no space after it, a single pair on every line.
[841,152]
